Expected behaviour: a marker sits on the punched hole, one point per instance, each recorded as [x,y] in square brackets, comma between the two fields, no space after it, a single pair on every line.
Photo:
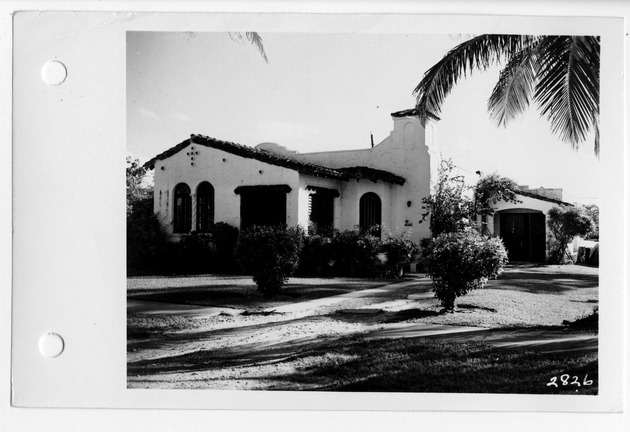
[51,345]
[54,72]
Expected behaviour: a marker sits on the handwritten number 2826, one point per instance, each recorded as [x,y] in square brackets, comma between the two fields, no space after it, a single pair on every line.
[565,379]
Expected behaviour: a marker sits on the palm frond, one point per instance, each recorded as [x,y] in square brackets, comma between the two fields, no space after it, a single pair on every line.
[596,128]
[477,53]
[567,89]
[257,41]
[236,36]
[512,93]
[253,38]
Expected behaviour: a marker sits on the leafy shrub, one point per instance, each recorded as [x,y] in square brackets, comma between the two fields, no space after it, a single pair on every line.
[400,250]
[193,253]
[491,189]
[462,261]
[316,256]
[326,231]
[448,208]
[355,254]
[211,252]
[224,238]
[593,211]
[146,239]
[270,254]
[565,223]
[137,188]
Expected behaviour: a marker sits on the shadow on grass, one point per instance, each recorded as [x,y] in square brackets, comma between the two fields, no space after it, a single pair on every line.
[197,295]
[159,337]
[421,365]
[392,365]
[381,316]
[248,355]
[549,282]
[470,306]
[244,296]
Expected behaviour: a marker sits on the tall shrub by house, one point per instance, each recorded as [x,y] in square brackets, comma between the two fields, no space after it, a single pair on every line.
[270,255]
[448,208]
[593,211]
[566,223]
[459,258]
[147,242]
[461,261]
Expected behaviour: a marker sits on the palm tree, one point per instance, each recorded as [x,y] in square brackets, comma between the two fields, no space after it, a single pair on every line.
[560,73]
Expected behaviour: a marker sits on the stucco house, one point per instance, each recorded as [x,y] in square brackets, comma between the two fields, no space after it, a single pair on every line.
[204,180]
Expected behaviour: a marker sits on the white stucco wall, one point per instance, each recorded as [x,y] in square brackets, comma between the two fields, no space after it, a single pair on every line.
[351,195]
[346,206]
[409,151]
[225,172]
[303,197]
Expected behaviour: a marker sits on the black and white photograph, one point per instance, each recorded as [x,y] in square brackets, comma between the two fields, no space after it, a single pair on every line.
[363,212]
[314,216]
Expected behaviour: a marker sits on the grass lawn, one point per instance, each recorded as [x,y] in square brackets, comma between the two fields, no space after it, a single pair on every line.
[429,365]
[527,296]
[325,349]
[240,292]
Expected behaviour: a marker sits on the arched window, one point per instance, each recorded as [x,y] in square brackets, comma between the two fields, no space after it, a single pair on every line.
[205,207]
[370,211]
[182,210]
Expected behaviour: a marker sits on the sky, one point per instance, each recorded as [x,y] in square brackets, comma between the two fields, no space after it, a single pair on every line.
[322,92]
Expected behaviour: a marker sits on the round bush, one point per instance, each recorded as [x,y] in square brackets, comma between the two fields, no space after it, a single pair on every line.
[270,254]
[462,261]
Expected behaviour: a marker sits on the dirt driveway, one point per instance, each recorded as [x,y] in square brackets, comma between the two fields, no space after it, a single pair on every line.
[196,346]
